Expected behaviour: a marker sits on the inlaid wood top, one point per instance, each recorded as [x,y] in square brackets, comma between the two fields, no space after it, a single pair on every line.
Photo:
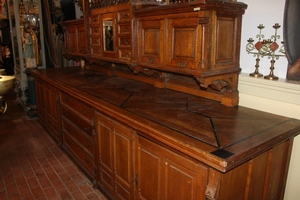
[198,124]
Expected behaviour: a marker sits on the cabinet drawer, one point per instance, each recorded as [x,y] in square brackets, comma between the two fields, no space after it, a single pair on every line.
[83,110]
[124,16]
[95,41]
[95,50]
[125,54]
[95,30]
[150,60]
[125,42]
[84,126]
[80,137]
[79,153]
[95,19]
[124,29]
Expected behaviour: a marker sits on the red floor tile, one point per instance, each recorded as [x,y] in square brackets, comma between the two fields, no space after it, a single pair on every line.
[32,167]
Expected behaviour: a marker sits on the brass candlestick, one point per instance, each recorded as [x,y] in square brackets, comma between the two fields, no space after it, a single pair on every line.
[273,46]
[263,48]
[254,49]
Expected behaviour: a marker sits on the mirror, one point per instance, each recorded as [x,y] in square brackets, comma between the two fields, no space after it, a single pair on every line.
[108,31]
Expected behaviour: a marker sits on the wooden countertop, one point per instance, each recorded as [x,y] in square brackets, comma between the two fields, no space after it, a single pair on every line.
[205,130]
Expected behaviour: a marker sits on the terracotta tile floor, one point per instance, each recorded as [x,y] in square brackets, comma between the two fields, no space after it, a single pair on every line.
[31,164]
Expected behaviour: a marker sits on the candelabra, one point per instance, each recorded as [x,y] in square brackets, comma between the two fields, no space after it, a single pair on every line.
[265,48]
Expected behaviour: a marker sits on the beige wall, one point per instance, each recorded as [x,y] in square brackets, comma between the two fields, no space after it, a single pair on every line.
[280,98]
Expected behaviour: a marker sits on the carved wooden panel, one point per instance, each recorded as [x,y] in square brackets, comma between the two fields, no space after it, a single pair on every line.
[82,43]
[115,157]
[72,40]
[226,41]
[51,107]
[76,40]
[183,42]
[163,174]
[151,37]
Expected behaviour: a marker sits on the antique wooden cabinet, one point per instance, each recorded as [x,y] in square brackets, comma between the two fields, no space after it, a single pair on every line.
[75,39]
[143,117]
[133,141]
[192,47]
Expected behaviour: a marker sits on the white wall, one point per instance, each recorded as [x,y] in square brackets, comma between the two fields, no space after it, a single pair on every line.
[278,97]
[266,12]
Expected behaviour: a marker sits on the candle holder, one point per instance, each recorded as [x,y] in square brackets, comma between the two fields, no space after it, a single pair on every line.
[275,52]
[265,48]
[254,49]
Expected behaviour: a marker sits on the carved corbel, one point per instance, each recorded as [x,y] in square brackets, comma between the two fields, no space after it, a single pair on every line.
[215,84]
[227,87]
[145,71]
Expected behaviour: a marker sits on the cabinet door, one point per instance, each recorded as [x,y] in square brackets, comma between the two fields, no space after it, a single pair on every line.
[151,37]
[52,114]
[82,43]
[40,101]
[184,43]
[115,143]
[163,174]
[71,37]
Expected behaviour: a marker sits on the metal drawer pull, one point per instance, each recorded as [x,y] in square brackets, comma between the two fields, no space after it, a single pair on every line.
[126,16]
[182,64]
[150,60]
[126,42]
[87,160]
[84,112]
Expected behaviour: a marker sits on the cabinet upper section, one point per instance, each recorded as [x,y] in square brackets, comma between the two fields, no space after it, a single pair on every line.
[196,39]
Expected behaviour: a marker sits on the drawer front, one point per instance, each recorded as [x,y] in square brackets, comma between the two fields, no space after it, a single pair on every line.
[124,29]
[84,126]
[86,143]
[125,42]
[124,16]
[83,110]
[95,19]
[79,153]
[95,50]
[95,40]
[95,30]
[125,54]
